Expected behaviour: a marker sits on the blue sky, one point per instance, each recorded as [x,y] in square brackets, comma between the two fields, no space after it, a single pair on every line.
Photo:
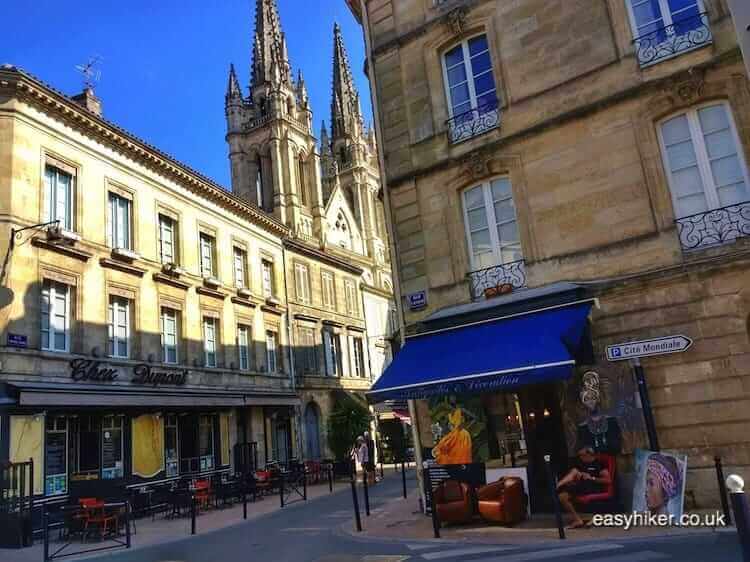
[164,64]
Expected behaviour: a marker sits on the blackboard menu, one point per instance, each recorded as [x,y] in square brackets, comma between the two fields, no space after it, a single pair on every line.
[56,453]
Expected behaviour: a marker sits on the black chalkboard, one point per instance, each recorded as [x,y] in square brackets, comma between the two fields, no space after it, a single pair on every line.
[56,453]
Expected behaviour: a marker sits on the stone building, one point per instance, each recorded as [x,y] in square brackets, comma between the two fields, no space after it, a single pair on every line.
[538,154]
[337,266]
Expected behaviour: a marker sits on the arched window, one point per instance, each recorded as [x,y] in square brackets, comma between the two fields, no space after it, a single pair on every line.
[302,180]
[259,182]
[312,431]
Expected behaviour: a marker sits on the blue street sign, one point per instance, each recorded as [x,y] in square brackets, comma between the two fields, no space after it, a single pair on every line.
[17,340]
[645,348]
[417,300]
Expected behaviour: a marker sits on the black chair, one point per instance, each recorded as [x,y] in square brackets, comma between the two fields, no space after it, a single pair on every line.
[181,502]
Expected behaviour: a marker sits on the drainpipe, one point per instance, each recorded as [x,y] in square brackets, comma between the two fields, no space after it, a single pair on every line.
[391,233]
[292,372]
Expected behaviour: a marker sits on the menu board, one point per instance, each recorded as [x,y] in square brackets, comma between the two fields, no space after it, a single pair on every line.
[56,453]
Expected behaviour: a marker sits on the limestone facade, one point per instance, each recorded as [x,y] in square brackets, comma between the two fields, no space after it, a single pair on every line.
[580,137]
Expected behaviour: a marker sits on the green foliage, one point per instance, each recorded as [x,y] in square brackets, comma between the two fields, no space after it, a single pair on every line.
[348,420]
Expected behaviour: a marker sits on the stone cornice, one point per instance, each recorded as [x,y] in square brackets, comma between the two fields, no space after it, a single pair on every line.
[311,252]
[26,87]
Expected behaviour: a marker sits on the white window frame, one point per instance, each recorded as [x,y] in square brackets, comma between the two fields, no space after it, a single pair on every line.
[489,209]
[51,176]
[210,341]
[207,247]
[240,259]
[116,306]
[332,352]
[328,282]
[243,346]
[701,154]
[165,314]
[272,341]
[120,228]
[167,229]
[268,281]
[302,282]
[51,290]
[469,74]
[358,359]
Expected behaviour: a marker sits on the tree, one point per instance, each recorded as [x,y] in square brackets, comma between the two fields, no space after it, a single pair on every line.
[348,420]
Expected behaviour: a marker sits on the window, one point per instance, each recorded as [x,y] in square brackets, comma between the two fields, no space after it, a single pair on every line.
[705,168]
[169,331]
[351,297]
[491,226]
[332,349]
[306,351]
[55,316]
[58,187]
[469,80]
[240,261]
[271,346]
[207,247]
[243,346]
[167,240]
[662,20]
[302,181]
[302,282]
[259,182]
[268,285]
[85,447]
[119,327]
[56,456]
[358,356]
[209,341]
[171,445]
[112,466]
[329,289]
[119,222]
[206,442]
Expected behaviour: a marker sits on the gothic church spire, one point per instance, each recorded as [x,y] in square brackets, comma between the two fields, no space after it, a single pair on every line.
[270,60]
[346,114]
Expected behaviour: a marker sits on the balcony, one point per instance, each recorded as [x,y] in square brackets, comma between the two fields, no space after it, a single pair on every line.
[473,122]
[497,280]
[714,227]
[669,41]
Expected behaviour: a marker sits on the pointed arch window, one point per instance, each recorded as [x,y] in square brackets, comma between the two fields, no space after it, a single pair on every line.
[302,181]
[259,181]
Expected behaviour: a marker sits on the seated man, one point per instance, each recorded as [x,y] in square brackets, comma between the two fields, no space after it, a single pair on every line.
[588,476]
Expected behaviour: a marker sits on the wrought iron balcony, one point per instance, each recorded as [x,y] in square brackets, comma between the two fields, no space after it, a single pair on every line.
[473,122]
[683,35]
[714,227]
[497,280]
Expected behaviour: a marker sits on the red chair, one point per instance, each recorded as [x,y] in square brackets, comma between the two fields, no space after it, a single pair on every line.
[606,501]
[96,518]
[503,501]
[453,502]
[203,492]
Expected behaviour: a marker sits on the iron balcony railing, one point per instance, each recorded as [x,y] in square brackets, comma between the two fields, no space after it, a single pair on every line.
[668,41]
[473,122]
[497,280]
[714,227]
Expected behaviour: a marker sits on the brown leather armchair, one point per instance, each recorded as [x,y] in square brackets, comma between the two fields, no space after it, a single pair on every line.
[453,502]
[502,501]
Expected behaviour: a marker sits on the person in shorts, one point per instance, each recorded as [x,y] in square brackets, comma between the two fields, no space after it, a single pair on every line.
[588,476]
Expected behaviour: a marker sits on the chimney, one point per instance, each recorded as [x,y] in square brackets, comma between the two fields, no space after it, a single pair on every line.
[88,99]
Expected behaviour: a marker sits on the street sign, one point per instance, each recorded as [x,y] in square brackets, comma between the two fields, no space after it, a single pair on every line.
[645,348]
[17,340]
[417,300]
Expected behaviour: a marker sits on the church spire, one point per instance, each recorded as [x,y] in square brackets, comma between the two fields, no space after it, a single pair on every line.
[346,115]
[233,87]
[270,58]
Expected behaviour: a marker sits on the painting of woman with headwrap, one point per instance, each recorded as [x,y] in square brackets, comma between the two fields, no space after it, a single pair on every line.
[660,483]
[455,446]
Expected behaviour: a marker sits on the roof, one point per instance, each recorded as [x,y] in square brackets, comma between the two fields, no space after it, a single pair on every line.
[25,85]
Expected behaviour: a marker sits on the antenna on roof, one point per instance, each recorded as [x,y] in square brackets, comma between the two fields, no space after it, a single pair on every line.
[90,73]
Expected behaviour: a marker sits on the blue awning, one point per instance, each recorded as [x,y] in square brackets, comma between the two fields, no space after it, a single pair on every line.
[499,354]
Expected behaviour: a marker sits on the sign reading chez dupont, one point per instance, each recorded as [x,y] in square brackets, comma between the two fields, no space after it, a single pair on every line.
[82,370]
[644,348]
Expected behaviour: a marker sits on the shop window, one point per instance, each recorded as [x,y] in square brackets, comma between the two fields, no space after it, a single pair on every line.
[196,436]
[208,255]
[243,346]
[56,456]
[171,445]
[329,289]
[272,344]
[332,350]
[55,316]
[240,268]
[112,466]
[58,188]
[120,225]
[358,356]
[169,334]
[119,327]
[206,442]
[85,448]
[167,240]
[302,282]
[209,341]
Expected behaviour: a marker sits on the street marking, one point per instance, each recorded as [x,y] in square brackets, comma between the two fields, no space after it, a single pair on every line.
[466,551]
[417,546]
[631,556]
[553,553]
[304,529]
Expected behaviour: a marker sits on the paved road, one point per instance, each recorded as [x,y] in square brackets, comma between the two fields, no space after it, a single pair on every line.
[312,532]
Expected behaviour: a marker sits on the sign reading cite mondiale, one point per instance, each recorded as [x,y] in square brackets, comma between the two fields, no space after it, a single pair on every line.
[645,348]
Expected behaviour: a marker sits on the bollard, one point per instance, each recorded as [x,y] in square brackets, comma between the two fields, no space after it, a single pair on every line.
[127,524]
[356,506]
[45,524]
[403,477]
[555,499]
[330,478]
[281,490]
[736,487]
[192,514]
[382,470]
[722,490]
[244,503]
[367,493]
[304,485]
[433,508]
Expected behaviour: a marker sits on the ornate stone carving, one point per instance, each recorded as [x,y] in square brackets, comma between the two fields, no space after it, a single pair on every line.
[456,20]
[687,87]
[477,164]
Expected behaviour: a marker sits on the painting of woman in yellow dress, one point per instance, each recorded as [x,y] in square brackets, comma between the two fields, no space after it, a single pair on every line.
[455,446]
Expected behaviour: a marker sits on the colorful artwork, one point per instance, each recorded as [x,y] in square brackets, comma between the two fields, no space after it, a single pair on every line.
[459,430]
[659,483]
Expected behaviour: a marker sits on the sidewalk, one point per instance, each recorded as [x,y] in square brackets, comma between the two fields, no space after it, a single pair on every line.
[162,530]
[401,519]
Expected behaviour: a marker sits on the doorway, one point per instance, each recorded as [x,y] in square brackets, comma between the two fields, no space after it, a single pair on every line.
[312,431]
